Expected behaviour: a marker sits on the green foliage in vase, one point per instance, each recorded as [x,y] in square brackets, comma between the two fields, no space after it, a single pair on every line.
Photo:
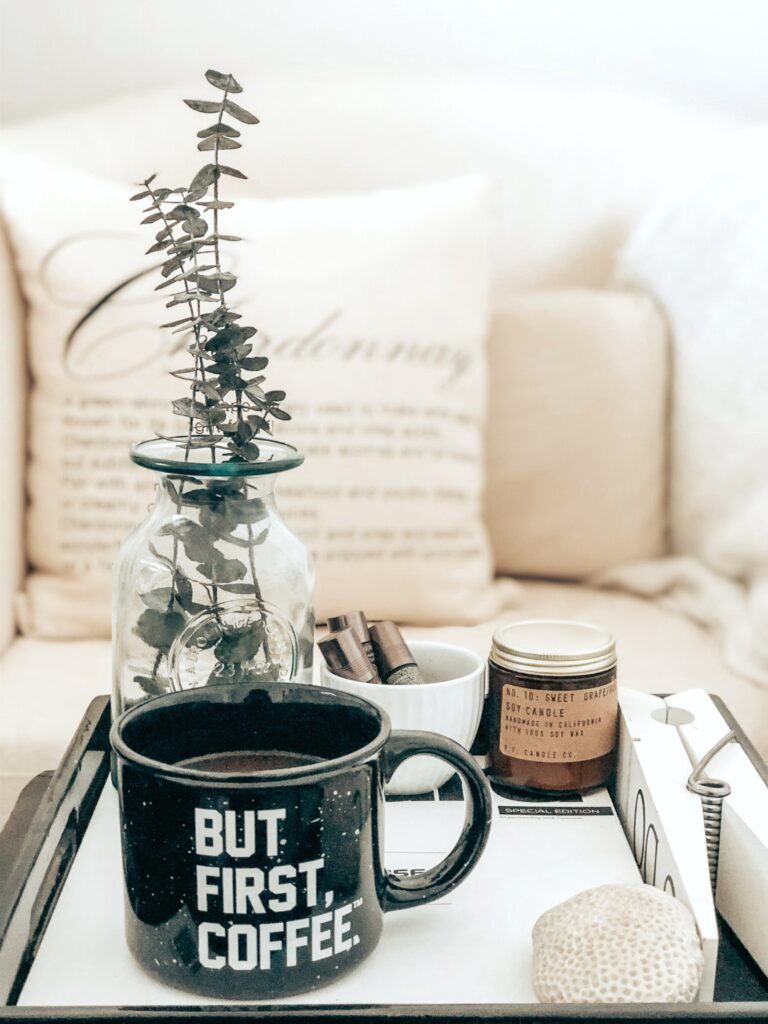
[226,410]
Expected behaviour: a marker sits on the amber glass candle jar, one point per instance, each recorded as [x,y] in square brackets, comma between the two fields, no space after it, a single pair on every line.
[553,709]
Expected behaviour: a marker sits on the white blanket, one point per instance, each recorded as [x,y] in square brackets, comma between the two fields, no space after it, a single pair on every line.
[703,253]
[739,616]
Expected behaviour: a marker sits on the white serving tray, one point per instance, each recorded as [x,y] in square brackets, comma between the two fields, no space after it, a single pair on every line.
[473,946]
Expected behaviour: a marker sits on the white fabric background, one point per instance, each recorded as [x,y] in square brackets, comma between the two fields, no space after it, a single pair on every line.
[704,254]
[705,53]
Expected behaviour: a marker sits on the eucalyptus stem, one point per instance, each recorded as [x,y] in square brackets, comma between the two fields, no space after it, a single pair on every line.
[226,409]
[167,226]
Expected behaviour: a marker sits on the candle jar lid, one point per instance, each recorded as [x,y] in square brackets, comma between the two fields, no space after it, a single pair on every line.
[553,647]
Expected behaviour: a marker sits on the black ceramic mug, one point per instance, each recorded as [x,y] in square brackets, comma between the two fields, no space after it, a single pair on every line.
[270,883]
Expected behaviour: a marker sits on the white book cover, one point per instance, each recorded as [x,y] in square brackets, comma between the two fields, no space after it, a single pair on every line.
[663,821]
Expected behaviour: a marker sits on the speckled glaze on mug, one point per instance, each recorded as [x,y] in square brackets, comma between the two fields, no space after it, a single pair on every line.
[263,885]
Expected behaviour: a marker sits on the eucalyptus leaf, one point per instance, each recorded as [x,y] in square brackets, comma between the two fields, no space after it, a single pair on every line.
[250,510]
[159,629]
[221,569]
[160,599]
[259,424]
[279,414]
[204,177]
[218,142]
[161,558]
[173,491]
[209,391]
[200,496]
[204,106]
[196,228]
[254,363]
[181,211]
[219,129]
[204,440]
[170,265]
[185,596]
[242,646]
[220,339]
[226,82]
[224,317]
[250,452]
[151,686]
[240,113]
[183,587]
[221,282]
[197,544]
[232,172]
[183,297]
[190,275]
[244,431]
[191,410]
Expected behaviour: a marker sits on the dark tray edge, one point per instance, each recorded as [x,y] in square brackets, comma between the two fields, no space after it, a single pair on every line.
[73,781]
[478,1013]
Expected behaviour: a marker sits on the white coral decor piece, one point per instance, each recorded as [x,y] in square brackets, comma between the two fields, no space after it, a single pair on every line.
[617,944]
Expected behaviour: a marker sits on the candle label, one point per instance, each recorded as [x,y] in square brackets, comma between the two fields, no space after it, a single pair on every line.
[559,726]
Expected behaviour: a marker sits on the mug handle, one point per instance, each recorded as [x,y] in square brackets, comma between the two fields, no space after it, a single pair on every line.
[401,892]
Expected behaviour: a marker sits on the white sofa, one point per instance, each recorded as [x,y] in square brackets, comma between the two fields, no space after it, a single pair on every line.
[575,171]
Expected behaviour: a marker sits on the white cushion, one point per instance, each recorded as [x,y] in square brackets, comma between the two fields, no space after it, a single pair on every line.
[13,387]
[45,687]
[373,310]
[576,441]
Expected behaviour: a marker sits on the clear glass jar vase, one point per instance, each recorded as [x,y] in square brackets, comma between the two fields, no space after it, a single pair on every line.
[212,586]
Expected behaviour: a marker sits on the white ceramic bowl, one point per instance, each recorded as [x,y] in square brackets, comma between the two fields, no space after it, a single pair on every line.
[450,702]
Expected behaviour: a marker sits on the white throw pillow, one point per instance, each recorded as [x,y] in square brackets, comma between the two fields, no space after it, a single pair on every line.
[373,309]
[576,442]
[703,253]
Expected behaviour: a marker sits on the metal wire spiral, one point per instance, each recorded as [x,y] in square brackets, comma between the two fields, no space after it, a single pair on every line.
[712,793]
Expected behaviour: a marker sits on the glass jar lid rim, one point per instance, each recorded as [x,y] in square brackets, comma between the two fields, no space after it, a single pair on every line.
[166,455]
[553,647]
